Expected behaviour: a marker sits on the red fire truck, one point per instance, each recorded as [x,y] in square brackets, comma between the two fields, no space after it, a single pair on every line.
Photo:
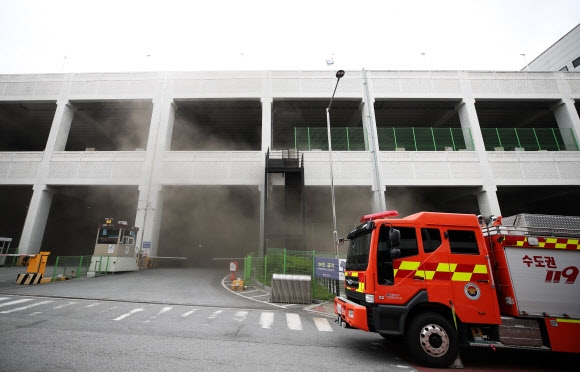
[442,281]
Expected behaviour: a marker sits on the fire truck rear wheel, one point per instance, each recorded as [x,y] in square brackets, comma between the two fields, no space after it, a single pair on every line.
[431,340]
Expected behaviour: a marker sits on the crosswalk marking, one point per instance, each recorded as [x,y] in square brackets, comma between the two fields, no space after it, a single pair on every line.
[63,305]
[25,307]
[215,314]
[185,315]
[16,302]
[293,321]
[322,325]
[240,316]
[266,320]
[128,314]
[164,310]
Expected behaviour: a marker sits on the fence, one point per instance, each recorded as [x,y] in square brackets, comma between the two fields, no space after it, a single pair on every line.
[530,139]
[343,139]
[435,139]
[390,139]
[424,139]
[66,267]
[284,261]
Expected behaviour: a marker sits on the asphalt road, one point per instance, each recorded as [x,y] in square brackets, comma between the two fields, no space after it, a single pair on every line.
[183,318]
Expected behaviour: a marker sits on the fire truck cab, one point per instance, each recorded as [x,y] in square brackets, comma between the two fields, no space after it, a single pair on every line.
[431,279]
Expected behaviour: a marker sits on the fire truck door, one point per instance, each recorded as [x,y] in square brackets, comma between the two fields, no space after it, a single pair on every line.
[470,276]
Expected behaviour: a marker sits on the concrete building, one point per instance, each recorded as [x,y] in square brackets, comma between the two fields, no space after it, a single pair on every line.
[219,164]
[563,55]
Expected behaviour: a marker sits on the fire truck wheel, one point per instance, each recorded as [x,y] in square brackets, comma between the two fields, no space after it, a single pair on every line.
[431,340]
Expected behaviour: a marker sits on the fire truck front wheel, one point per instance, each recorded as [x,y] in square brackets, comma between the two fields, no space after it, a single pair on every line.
[431,340]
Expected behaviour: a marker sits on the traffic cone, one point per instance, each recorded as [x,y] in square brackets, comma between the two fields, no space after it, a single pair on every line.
[233,276]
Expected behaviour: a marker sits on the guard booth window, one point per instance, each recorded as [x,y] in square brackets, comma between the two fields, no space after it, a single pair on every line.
[463,242]
[108,236]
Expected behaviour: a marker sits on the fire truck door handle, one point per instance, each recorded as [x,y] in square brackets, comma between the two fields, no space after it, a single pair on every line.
[483,281]
[417,277]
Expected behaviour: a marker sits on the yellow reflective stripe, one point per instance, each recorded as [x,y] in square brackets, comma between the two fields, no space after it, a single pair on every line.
[480,269]
[446,267]
[560,245]
[566,320]
[573,241]
[551,240]
[409,265]
[420,273]
[429,275]
[461,277]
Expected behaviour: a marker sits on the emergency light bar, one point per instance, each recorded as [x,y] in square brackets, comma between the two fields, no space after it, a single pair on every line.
[374,216]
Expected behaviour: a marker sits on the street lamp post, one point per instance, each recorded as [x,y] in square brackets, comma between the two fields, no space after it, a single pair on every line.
[339,74]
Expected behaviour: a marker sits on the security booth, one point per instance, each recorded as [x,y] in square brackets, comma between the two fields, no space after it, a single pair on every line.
[115,248]
[4,246]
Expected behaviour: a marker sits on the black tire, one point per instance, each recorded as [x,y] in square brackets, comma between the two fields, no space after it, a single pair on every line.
[432,340]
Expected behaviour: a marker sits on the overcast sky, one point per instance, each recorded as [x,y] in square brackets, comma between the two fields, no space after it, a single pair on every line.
[173,35]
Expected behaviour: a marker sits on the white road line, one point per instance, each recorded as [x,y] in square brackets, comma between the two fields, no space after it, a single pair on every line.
[266,320]
[184,315]
[63,305]
[128,314]
[16,302]
[36,313]
[164,310]
[215,314]
[293,321]
[240,316]
[5,298]
[322,325]
[92,305]
[264,295]
[24,307]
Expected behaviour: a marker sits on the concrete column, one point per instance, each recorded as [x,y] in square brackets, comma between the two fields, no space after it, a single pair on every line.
[487,200]
[36,218]
[266,123]
[266,143]
[149,206]
[39,207]
[370,127]
[487,197]
[569,123]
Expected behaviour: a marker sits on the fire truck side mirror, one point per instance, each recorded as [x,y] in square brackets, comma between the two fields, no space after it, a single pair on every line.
[395,237]
[395,253]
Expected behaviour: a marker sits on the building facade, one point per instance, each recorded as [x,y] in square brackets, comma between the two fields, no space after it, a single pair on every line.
[563,55]
[456,141]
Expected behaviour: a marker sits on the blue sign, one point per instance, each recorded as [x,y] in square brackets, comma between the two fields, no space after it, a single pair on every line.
[327,268]
[146,245]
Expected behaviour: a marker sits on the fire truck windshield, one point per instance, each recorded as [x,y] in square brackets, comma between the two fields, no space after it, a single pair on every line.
[357,257]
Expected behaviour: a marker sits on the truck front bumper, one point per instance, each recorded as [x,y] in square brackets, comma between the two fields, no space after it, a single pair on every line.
[353,314]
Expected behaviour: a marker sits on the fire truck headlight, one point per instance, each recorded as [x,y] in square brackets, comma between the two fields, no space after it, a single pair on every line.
[370,298]
[351,314]
[533,240]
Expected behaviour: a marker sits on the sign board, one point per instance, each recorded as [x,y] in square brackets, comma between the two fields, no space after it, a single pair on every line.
[233,266]
[331,268]
[146,245]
